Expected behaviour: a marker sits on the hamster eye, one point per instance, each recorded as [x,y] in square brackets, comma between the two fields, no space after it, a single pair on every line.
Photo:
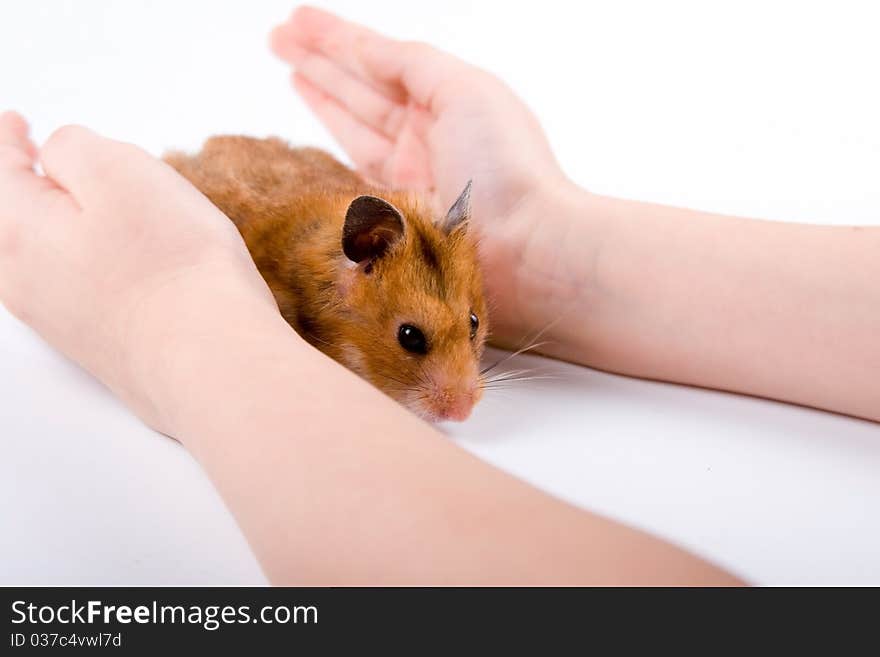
[412,339]
[475,324]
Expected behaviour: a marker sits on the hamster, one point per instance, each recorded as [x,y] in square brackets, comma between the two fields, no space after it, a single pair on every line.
[371,277]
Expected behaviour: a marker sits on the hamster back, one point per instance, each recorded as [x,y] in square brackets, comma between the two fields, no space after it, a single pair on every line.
[371,277]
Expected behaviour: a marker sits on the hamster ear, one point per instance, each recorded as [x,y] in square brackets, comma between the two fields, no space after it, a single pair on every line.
[460,211]
[371,226]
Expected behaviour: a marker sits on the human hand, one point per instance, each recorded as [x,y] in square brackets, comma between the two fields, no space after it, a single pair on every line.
[413,117]
[116,260]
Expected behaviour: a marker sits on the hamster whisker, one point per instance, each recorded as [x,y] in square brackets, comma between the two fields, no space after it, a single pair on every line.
[513,354]
[518,379]
[406,386]
[315,337]
[507,380]
[424,379]
[534,342]
[500,376]
[530,377]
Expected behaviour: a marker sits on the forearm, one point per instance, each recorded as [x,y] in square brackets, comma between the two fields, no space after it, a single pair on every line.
[333,483]
[779,310]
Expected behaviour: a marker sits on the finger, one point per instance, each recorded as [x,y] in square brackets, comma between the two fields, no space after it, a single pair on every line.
[363,53]
[368,149]
[28,198]
[16,148]
[86,164]
[67,157]
[310,29]
[361,100]
[20,186]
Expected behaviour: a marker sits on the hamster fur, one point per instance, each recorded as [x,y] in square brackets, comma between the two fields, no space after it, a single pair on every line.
[371,277]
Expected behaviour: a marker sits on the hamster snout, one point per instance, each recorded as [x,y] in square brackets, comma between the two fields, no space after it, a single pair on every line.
[443,385]
[450,404]
[451,398]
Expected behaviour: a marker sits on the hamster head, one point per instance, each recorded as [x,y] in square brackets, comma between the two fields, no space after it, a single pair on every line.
[415,320]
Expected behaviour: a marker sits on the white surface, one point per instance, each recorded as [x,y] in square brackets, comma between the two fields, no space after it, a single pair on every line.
[762,109]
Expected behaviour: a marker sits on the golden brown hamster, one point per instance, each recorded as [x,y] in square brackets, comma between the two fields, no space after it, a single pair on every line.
[371,277]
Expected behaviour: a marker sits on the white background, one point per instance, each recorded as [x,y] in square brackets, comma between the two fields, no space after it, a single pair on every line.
[764,109]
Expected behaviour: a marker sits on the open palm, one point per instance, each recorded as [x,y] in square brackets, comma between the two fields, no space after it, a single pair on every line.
[413,117]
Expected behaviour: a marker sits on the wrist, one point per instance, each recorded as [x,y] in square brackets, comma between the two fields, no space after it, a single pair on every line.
[207,362]
[545,263]
[179,339]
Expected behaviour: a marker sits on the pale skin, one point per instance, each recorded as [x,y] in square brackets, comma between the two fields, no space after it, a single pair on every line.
[778,310]
[123,266]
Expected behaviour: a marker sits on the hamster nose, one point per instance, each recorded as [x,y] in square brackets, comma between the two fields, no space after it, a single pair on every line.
[457,411]
[451,396]
[457,408]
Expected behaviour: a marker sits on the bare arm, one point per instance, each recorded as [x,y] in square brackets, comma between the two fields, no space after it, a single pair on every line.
[786,311]
[122,265]
[334,483]
[780,310]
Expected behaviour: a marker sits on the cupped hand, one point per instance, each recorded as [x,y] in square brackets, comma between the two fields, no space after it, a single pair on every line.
[115,259]
[413,117]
